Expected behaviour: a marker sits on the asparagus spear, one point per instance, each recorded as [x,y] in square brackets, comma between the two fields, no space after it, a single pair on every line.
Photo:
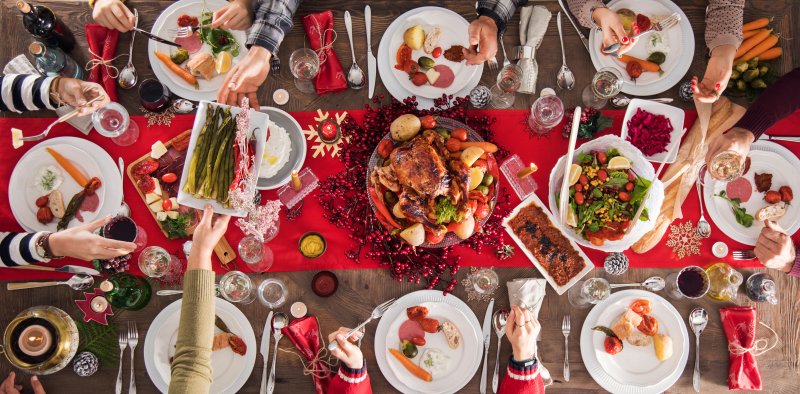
[189,187]
[202,159]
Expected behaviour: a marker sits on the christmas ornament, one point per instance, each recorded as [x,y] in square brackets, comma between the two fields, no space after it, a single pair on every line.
[159,118]
[114,265]
[469,287]
[505,252]
[684,239]
[318,142]
[592,122]
[616,263]
[95,307]
[479,96]
[85,364]
[685,91]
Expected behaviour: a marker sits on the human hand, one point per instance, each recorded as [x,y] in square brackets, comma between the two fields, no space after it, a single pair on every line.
[8,386]
[245,78]
[82,243]
[522,330]
[347,352]
[113,14]
[76,93]
[736,139]
[774,248]
[483,34]
[237,15]
[207,234]
[613,31]
[718,72]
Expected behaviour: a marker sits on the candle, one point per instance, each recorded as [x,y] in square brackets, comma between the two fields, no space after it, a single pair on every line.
[296,184]
[34,340]
[280,96]
[99,304]
[299,309]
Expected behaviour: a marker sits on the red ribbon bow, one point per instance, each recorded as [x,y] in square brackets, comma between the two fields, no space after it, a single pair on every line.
[739,324]
[319,30]
[304,334]
[103,46]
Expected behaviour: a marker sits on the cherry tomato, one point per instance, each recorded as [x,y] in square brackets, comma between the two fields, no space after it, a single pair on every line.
[648,326]
[583,180]
[641,307]
[459,134]
[418,341]
[631,177]
[601,157]
[612,345]
[578,187]
[42,201]
[411,67]
[642,22]
[579,199]
[432,238]
[453,145]
[786,194]
[624,196]
[602,175]
[436,52]
[166,205]
[385,148]
[634,69]
[629,186]
[428,122]
[418,79]
[482,211]
[169,177]
[772,197]
[481,163]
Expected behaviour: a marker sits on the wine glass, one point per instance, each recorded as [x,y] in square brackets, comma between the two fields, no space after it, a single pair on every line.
[154,95]
[589,292]
[508,81]
[546,113]
[485,280]
[255,254]
[236,286]
[272,293]
[606,84]
[726,166]
[155,261]
[113,121]
[304,64]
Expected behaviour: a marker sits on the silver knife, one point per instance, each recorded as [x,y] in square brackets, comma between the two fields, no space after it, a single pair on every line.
[155,37]
[487,330]
[584,40]
[265,351]
[372,65]
[70,269]
[787,138]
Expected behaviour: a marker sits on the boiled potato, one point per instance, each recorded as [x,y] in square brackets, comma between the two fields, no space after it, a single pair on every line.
[475,177]
[397,212]
[414,234]
[465,229]
[663,346]
[414,37]
[405,127]
[470,155]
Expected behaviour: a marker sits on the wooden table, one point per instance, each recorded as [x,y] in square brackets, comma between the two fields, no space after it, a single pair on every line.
[360,290]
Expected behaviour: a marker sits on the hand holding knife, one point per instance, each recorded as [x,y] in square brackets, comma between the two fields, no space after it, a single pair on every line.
[155,37]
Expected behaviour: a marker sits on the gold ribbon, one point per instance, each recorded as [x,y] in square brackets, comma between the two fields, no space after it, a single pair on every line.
[308,366]
[760,345]
[97,61]
[321,51]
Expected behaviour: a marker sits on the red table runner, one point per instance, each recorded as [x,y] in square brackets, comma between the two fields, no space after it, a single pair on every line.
[509,130]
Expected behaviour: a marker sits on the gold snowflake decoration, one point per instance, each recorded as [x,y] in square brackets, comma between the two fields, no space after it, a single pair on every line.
[317,145]
[684,239]
[159,118]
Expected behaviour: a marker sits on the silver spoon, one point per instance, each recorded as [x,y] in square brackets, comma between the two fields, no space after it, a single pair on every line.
[703,228]
[355,77]
[653,283]
[698,319]
[622,100]
[565,79]
[76,282]
[278,322]
[127,76]
[499,319]
[170,292]
[124,209]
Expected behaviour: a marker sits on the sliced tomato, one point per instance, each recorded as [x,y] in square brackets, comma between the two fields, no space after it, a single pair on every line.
[491,166]
[641,307]
[648,326]
[612,345]
[404,54]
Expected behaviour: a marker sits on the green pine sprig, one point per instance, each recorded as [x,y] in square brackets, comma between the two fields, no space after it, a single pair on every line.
[99,339]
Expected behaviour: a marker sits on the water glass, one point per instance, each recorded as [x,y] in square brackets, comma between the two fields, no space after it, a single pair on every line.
[304,64]
[155,262]
[485,281]
[154,95]
[236,286]
[589,292]
[726,166]
[606,84]
[272,293]
[113,121]
[546,113]
[255,254]
[508,82]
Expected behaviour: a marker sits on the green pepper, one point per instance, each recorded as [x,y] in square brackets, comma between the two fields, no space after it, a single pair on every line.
[409,349]
[426,62]
[487,180]
[483,189]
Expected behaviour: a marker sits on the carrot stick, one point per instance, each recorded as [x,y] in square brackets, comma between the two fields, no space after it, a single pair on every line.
[486,146]
[646,64]
[756,24]
[67,165]
[382,210]
[763,46]
[771,54]
[185,75]
[410,366]
[751,42]
[751,33]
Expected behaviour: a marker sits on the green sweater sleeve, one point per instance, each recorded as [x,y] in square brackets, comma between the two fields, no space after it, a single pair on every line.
[191,367]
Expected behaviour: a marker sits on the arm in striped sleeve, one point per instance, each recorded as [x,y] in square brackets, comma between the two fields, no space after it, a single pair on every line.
[20,92]
[19,249]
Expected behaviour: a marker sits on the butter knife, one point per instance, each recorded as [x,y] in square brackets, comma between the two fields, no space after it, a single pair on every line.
[70,269]
[155,37]
[487,329]
[787,138]
[584,40]
[372,66]
[265,337]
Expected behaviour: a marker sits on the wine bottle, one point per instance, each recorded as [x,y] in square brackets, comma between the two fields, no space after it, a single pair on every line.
[52,61]
[43,24]
[126,291]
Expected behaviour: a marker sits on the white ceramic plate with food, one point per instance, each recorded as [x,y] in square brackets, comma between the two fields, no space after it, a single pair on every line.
[765,157]
[386,60]
[284,152]
[463,361]
[588,266]
[230,371]
[680,39]
[167,20]
[675,116]
[258,127]
[635,369]
[88,157]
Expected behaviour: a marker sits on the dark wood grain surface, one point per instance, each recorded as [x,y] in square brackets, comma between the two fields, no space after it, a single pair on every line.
[360,290]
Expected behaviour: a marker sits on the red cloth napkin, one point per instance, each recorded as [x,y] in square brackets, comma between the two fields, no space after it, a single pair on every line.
[304,334]
[103,44]
[739,323]
[319,30]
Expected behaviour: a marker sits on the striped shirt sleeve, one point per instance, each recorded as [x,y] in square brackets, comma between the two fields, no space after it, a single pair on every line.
[273,19]
[19,249]
[19,93]
[499,10]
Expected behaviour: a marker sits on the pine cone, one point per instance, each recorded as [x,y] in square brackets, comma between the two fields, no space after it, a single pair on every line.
[85,364]
[479,96]
[616,264]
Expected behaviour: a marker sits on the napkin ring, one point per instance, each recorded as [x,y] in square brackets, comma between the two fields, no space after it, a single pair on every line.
[523,52]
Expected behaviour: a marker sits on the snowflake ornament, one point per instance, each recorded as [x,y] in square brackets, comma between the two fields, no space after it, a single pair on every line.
[684,239]
[319,146]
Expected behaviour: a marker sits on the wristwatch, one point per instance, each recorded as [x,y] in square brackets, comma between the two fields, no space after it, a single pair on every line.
[43,247]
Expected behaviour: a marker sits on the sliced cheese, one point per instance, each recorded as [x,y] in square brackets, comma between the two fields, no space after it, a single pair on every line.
[151,198]
[16,138]
[157,191]
[172,214]
[157,150]
[161,216]
[156,206]
[432,75]
[174,203]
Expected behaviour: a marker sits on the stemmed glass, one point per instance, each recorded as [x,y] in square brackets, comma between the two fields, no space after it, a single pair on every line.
[589,292]
[726,166]
[236,286]
[546,113]
[255,254]
[606,84]
[508,81]
[155,262]
[304,64]
[113,121]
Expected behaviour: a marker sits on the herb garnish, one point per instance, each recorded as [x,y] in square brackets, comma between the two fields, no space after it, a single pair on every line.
[742,217]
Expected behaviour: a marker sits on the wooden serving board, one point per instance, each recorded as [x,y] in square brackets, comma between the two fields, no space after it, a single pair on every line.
[222,249]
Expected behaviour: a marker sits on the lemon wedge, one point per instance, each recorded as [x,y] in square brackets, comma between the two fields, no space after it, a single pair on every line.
[575,171]
[619,163]
[572,219]
[223,62]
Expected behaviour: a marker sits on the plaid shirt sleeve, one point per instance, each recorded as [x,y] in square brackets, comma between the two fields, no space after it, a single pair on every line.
[499,10]
[273,19]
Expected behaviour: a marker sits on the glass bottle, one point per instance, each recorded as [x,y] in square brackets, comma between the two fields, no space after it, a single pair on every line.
[127,291]
[760,287]
[723,281]
[43,24]
[53,62]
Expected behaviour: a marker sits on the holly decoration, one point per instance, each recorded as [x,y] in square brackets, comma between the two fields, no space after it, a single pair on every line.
[505,252]
[592,122]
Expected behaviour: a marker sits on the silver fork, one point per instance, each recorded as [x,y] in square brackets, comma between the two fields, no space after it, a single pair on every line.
[363,332]
[664,24]
[133,340]
[505,57]
[275,63]
[744,255]
[376,314]
[123,343]
[185,31]
[69,115]
[565,326]
[492,63]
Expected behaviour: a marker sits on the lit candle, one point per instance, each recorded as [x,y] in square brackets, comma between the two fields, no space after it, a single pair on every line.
[34,340]
[99,304]
[299,309]
[280,96]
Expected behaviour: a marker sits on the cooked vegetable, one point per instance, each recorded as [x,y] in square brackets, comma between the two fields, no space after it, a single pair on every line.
[382,210]
[465,228]
[70,168]
[756,24]
[751,42]
[445,211]
[185,75]
[409,349]
[646,64]
[179,56]
[414,234]
[414,37]
[649,132]
[75,202]
[770,54]
[410,366]
[211,168]
[405,127]
[657,58]
[471,154]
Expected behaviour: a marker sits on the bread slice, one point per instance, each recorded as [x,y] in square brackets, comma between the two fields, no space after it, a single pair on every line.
[771,212]
[432,39]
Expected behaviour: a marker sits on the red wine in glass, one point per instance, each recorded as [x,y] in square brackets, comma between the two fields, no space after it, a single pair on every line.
[121,228]
[692,283]
[154,95]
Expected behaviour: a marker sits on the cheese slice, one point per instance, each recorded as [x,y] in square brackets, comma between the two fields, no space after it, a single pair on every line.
[16,138]
[157,191]
[432,75]
[156,206]
[151,198]
[172,214]
[174,202]
[157,150]
[161,216]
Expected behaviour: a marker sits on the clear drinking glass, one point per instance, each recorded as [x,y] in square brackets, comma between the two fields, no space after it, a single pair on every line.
[485,280]
[606,84]
[508,81]
[272,293]
[155,262]
[589,292]
[304,64]
[546,113]
[113,121]
[236,286]
[690,282]
[726,166]
[255,254]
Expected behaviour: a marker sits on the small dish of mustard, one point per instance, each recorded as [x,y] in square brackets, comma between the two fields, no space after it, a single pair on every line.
[312,244]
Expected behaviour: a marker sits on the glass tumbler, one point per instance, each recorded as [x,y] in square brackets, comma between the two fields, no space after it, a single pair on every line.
[304,64]
[236,286]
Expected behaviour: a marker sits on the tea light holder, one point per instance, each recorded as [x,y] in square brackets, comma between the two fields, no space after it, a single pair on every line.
[329,131]
[280,96]
[300,186]
[523,186]
[35,340]
[95,307]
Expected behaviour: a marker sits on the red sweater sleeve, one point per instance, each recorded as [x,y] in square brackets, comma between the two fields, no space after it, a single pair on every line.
[775,103]
[522,377]
[350,381]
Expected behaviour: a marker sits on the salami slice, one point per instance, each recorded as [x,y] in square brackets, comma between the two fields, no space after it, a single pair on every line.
[446,76]
[739,188]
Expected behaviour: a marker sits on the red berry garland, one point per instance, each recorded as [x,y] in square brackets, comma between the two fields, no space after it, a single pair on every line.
[344,197]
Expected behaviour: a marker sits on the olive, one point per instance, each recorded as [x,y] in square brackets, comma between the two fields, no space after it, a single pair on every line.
[483,189]
[409,349]
[487,180]
[426,62]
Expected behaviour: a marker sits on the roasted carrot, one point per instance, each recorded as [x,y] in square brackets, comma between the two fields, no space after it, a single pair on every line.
[486,146]
[756,24]
[751,33]
[762,47]
[185,75]
[410,366]
[382,209]
[646,64]
[751,42]
[771,54]
[70,168]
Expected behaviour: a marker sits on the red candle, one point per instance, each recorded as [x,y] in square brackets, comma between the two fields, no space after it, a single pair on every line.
[34,340]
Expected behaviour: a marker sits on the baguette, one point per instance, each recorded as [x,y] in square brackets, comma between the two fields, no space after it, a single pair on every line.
[771,212]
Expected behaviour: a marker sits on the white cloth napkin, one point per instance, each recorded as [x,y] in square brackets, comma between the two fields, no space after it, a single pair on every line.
[529,293]
[533,23]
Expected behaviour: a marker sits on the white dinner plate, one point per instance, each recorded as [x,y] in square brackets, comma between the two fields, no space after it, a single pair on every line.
[679,58]
[90,158]
[298,154]
[765,157]
[230,371]
[464,361]
[635,369]
[168,19]
[675,116]
[387,55]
